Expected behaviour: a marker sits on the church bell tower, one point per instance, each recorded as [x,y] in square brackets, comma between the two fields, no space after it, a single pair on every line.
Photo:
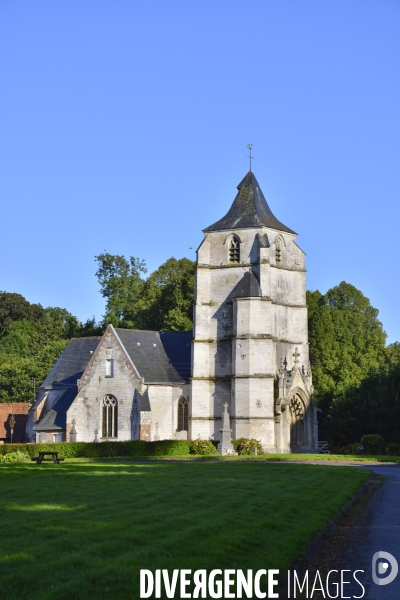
[250,347]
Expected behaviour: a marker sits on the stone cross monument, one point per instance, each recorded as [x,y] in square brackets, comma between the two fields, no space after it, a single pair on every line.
[225,445]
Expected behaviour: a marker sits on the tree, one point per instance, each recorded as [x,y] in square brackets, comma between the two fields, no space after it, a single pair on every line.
[17,372]
[14,307]
[31,340]
[164,301]
[371,407]
[168,296]
[16,375]
[121,284]
[347,343]
[59,324]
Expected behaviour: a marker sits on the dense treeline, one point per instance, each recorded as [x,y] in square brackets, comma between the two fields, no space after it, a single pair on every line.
[356,376]
[33,337]
[31,340]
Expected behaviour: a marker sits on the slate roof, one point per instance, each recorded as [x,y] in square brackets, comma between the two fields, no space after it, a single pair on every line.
[159,357]
[56,418]
[67,370]
[249,209]
[178,347]
[72,362]
[248,287]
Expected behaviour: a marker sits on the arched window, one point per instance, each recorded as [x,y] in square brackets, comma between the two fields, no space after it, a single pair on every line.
[234,249]
[278,252]
[183,413]
[109,417]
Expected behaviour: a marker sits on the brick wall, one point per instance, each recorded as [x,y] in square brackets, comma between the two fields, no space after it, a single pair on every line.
[20,412]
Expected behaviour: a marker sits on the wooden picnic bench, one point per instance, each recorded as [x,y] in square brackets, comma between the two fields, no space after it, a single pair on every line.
[54,457]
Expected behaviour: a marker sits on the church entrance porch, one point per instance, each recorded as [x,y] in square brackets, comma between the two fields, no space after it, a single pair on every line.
[299,430]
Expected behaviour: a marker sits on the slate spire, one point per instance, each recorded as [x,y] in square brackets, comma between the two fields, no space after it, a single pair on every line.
[249,209]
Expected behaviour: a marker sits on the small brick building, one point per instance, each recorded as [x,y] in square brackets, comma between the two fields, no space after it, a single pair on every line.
[19,411]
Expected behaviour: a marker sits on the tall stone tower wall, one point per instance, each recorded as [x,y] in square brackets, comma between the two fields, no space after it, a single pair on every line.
[250,322]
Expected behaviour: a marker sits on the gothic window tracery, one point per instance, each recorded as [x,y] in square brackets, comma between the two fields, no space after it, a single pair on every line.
[234,249]
[183,414]
[109,417]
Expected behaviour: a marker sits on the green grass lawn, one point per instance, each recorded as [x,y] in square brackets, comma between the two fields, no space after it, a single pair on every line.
[321,458]
[77,531]
[350,458]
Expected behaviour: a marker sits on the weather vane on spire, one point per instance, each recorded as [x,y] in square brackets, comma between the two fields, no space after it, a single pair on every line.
[250,147]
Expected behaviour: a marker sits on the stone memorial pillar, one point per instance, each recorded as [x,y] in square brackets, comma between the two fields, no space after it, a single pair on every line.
[225,445]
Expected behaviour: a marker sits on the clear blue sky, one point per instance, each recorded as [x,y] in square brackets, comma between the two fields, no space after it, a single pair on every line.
[124,127]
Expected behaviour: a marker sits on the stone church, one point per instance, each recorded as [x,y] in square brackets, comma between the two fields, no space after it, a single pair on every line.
[248,349]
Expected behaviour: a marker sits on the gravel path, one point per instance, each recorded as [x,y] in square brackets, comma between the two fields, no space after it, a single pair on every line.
[379,529]
[370,525]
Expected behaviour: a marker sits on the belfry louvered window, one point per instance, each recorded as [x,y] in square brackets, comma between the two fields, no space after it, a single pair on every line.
[109,417]
[183,414]
[234,250]
[278,252]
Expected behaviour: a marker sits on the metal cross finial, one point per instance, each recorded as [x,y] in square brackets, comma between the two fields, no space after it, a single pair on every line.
[250,147]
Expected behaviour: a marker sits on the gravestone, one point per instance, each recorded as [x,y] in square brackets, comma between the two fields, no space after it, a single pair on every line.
[72,435]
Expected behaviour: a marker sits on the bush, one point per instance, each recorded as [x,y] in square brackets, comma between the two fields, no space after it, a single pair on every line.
[17,456]
[373,444]
[393,449]
[130,448]
[202,447]
[246,446]
[170,447]
[344,450]
[350,449]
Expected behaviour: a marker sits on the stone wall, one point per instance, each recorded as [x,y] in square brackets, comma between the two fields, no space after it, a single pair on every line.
[240,344]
